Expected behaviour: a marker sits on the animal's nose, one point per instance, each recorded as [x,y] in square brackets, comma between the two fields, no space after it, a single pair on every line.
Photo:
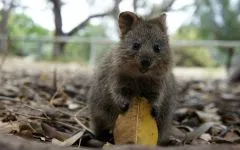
[145,63]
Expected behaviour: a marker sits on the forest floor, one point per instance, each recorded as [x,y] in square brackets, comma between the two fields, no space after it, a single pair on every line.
[47,102]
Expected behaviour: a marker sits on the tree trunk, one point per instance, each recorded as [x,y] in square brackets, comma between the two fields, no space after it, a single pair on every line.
[4,15]
[58,49]
[235,71]
[230,53]
[5,12]
[59,46]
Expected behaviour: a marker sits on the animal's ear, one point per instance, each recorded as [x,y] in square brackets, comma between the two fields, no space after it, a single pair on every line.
[126,21]
[161,21]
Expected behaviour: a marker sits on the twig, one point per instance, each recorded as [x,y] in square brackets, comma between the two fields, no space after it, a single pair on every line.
[38,110]
[67,125]
[7,98]
[79,122]
[5,48]
[55,79]
[42,118]
[61,111]
[30,116]
[3,59]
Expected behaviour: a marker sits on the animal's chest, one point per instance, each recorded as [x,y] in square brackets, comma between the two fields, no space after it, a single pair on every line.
[139,86]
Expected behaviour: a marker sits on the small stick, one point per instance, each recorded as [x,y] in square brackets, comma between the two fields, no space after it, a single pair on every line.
[4,57]
[79,122]
[67,125]
[38,110]
[55,79]
[7,98]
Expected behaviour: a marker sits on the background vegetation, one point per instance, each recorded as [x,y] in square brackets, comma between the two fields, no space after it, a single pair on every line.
[211,20]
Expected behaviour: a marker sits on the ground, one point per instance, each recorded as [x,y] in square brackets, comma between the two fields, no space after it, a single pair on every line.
[46,102]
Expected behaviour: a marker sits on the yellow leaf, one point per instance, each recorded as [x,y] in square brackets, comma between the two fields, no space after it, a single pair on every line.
[136,126]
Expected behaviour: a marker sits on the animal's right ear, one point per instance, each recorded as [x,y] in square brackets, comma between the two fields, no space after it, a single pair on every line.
[126,21]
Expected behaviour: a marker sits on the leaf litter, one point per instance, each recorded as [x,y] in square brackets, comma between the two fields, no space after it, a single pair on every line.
[41,106]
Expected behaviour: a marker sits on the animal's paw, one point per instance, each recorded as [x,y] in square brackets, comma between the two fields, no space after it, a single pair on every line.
[154,111]
[123,106]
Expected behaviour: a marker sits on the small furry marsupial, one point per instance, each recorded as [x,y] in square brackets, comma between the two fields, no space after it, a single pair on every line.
[140,66]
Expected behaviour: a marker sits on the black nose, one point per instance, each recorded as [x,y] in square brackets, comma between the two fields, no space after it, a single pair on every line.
[145,63]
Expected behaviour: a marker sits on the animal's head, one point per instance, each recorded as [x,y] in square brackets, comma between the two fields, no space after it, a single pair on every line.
[144,46]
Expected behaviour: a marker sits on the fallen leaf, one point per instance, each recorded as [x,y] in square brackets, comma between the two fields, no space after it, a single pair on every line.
[136,126]
[60,98]
[218,129]
[9,127]
[208,117]
[206,137]
[70,141]
[72,106]
[231,136]
[221,140]
[198,132]
[9,117]
[53,133]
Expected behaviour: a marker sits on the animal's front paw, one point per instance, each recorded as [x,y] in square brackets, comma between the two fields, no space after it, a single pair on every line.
[124,105]
[154,111]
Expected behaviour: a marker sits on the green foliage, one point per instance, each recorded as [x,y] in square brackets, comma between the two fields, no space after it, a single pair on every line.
[81,51]
[218,19]
[214,20]
[187,32]
[20,25]
[192,56]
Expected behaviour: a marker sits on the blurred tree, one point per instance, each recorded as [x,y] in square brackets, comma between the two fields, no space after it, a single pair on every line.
[191,56]
[113,12]
[7,7]
[81,51]
[57,5]
[219,20]
[20,25]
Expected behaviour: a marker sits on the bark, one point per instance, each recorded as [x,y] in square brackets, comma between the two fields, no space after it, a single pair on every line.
[5,12]
[58,48]
[84,23]
[114,12]
[230,53]
[235,71]
[165,6]
[135,5]
[8,142]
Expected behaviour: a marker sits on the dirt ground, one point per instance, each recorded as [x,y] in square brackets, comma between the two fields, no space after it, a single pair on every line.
[184,73]
[46,102]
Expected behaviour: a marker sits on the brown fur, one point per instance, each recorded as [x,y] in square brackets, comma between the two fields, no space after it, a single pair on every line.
[121,76]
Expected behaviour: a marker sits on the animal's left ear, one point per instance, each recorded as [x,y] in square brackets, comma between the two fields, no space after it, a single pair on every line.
[161,21]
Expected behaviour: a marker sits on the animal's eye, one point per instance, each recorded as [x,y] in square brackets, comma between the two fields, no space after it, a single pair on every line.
[136,46]
[156,48]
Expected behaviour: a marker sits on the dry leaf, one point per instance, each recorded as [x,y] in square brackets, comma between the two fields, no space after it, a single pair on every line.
[53,133]
[136,126]
[10,127]
[208,117]
[60,98]
[198,132]
[70,141]
[206,137]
